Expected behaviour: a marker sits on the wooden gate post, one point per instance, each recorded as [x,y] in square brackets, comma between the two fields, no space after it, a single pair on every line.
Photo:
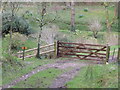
[118,56]
[107,53]
[56,48]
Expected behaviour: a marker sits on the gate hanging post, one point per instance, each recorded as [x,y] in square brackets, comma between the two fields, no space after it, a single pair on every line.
[56,48]
[107,53]
[118,56]
[113,54]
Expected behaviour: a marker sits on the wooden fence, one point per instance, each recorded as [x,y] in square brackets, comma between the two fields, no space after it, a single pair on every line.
[115,54]
[74,50]
[32,52]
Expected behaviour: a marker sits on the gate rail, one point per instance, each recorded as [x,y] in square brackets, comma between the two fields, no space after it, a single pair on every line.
[83,51]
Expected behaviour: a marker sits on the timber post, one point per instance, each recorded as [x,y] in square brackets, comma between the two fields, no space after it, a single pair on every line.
[24,48]
[55,48]
[23,54]
[113,54]
[118,56]
[107,53]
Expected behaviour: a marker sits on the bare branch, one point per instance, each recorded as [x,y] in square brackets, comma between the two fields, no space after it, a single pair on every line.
[50,21]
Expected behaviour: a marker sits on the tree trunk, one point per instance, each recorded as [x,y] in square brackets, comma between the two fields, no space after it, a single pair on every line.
[72,16]
[67,4]
[41,27]
[108,26]
[38,48]
[116,9]
[107,20]
[95,33]
[10,41]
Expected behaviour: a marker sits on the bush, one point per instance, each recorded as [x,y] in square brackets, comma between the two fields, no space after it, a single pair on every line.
[19,24]
[86,10]
[95,26]
[80,16]
[62,37]
[49,33]
[17,40]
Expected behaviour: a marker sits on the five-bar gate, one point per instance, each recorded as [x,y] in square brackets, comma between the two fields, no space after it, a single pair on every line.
[83,51]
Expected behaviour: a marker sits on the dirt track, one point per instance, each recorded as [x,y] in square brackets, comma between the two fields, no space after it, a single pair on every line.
[61,79]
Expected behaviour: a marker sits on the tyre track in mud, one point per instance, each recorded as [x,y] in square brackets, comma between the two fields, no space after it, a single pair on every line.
[38,69]
[61,80]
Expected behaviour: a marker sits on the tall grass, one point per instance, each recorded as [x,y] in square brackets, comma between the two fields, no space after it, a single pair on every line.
[96,76]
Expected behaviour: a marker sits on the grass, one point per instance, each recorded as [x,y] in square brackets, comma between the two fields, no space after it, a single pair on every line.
[96,76]
[64,23]
[29,65]
[82,33]
[64,16]
[5,45]
[0,75]
[87,36]
[112,49]
[40,80]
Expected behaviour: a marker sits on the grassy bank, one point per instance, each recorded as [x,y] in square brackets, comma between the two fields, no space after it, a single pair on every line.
[96,76]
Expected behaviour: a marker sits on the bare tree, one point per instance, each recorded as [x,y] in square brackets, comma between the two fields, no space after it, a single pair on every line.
[11,7]
[42,22]
[109,22]
[95,26]
[68,4]
[73,16]
[116,9]
[49,33]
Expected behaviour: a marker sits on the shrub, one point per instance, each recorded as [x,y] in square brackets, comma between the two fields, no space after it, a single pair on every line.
[86,10]
[49,33]
[95,26]
[80,16]
[19,24]
[17,40]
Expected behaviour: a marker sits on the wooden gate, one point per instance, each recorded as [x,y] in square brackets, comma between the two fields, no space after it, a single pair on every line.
[83,51]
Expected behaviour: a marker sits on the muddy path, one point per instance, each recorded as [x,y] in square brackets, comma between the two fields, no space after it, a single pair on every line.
[60,80]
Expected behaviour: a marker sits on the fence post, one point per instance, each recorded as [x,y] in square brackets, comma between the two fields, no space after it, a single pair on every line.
[113,54]
[107,53]
[118,56]
[56,48]
[23,54]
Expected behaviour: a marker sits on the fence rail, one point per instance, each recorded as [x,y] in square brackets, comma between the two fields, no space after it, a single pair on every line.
[29,50]
[34,50]
[74,50]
